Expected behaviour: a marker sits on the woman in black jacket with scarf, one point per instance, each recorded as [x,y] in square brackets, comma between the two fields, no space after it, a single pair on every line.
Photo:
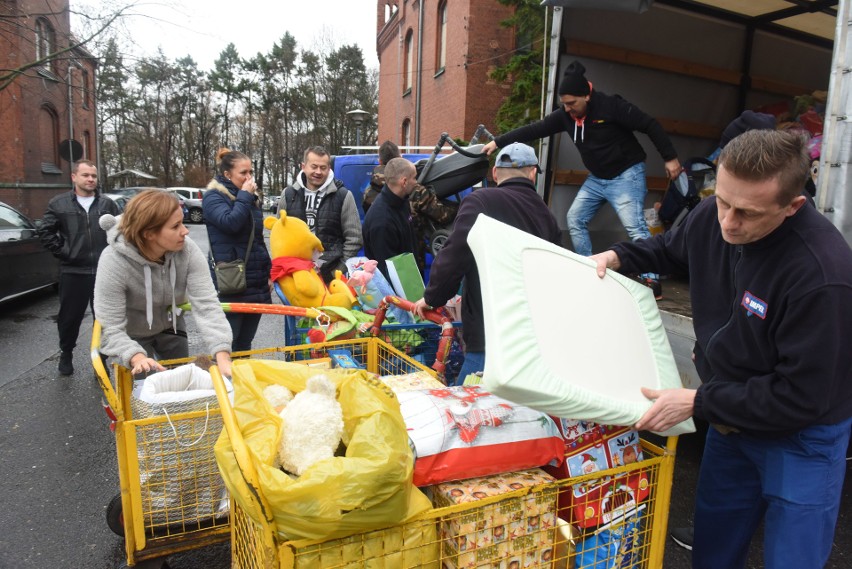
[230,204]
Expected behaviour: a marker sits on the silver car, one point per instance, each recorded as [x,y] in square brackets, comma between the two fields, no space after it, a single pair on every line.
[192,200]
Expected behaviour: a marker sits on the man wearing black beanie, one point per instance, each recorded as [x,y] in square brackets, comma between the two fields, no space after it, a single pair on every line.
[603,127]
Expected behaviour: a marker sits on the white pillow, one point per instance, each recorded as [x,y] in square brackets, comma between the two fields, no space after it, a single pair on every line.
[563,341]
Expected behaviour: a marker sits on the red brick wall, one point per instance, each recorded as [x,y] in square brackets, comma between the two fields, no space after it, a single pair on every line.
[22,182]
[462,96]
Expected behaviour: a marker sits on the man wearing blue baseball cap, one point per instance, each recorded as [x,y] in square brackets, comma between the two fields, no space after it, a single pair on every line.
[513,201]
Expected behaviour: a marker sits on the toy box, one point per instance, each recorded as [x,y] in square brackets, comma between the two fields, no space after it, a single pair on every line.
[343,359]
[589,448]
[517,532]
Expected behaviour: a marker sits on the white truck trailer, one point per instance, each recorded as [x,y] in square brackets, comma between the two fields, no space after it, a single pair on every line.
[695,65]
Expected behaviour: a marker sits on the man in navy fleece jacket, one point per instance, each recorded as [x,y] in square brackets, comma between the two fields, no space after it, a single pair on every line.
[771,289]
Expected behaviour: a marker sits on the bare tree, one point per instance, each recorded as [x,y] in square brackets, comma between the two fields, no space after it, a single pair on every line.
[19,27]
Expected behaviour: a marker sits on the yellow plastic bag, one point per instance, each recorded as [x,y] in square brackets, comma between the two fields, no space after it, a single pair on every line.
[367,489]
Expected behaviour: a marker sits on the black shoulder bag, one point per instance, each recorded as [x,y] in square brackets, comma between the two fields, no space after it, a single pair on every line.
[231,275]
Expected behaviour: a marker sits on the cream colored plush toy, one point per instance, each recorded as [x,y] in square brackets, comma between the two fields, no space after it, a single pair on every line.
[312,424]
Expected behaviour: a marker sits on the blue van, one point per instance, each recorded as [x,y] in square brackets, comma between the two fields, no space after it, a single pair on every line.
[355,171]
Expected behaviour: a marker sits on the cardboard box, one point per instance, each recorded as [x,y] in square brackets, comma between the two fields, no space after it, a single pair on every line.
[515,531]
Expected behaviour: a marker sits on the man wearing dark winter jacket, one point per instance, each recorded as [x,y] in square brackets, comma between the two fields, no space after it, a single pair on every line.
[771,288]
[514,201]
[426,208]
[329,209]
[70,230]
[602,127]
[387,226]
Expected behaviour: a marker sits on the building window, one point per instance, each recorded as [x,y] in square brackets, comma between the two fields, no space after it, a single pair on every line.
[84,81]
[87,145]
[441,43]
[390,11]
[48,129]
[408,62]
[406,133]
[45,41]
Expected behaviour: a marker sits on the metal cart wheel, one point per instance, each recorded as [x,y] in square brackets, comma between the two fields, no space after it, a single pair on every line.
[115,516]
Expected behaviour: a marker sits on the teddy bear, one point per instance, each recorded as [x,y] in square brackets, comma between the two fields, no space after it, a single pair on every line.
[312,425]
[294,249]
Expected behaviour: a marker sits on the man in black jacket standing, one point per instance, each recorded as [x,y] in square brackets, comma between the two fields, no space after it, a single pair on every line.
[771,289]
[602,127]
[387,228]
[70,231]
[514,201]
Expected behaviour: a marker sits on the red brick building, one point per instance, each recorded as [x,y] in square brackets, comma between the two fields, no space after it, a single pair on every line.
[434,62]
[45,106]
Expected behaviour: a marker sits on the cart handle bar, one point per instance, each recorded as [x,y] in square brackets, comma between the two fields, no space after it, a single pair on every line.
[102,376]
[241,454]
[260,308]
[436,316]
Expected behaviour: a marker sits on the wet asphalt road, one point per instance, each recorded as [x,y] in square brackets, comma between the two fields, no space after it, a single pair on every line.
[58,468]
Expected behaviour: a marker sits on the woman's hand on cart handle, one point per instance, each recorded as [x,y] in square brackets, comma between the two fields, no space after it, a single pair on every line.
[490,147]
[142,363]
[223,360]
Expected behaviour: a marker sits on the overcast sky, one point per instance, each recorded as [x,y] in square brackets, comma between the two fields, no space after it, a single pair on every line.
[203,29]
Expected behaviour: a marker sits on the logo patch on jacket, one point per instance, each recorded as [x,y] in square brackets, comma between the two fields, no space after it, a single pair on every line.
[754,305]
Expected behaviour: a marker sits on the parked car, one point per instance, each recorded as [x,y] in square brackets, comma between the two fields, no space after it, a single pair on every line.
[119,199]
[132,191]
[122,199]
[25,266]
[192,198]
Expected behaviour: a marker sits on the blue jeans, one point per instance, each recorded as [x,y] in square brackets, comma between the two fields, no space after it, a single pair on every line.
[473,362]
[793,483]
[625,193]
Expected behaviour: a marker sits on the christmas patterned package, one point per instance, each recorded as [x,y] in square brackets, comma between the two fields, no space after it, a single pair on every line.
[491,536]
[411,381]
[590,448]
[462,432]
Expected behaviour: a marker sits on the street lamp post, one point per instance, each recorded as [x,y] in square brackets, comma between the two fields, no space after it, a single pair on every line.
[358,117]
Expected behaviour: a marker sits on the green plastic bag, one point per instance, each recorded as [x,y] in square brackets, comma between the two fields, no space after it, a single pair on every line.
[367,489]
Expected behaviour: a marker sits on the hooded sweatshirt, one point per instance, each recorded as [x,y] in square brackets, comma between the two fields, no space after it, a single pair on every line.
[136,298]
[336,223]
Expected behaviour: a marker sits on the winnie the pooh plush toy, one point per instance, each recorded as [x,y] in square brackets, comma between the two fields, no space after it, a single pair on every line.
[294,249]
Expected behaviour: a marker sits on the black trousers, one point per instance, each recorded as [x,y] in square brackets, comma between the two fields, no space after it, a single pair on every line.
[243,327]
[76,293]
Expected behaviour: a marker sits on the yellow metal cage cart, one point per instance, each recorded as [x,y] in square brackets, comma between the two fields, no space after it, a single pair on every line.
[538,525]
[158,512]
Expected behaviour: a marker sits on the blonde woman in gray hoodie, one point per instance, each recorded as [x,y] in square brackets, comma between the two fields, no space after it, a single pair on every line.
[149,268]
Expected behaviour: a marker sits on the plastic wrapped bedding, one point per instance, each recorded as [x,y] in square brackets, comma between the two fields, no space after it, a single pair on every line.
[560,339]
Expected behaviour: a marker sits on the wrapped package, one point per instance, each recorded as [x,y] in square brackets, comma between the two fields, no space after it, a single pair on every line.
[464,431]
[521,529]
